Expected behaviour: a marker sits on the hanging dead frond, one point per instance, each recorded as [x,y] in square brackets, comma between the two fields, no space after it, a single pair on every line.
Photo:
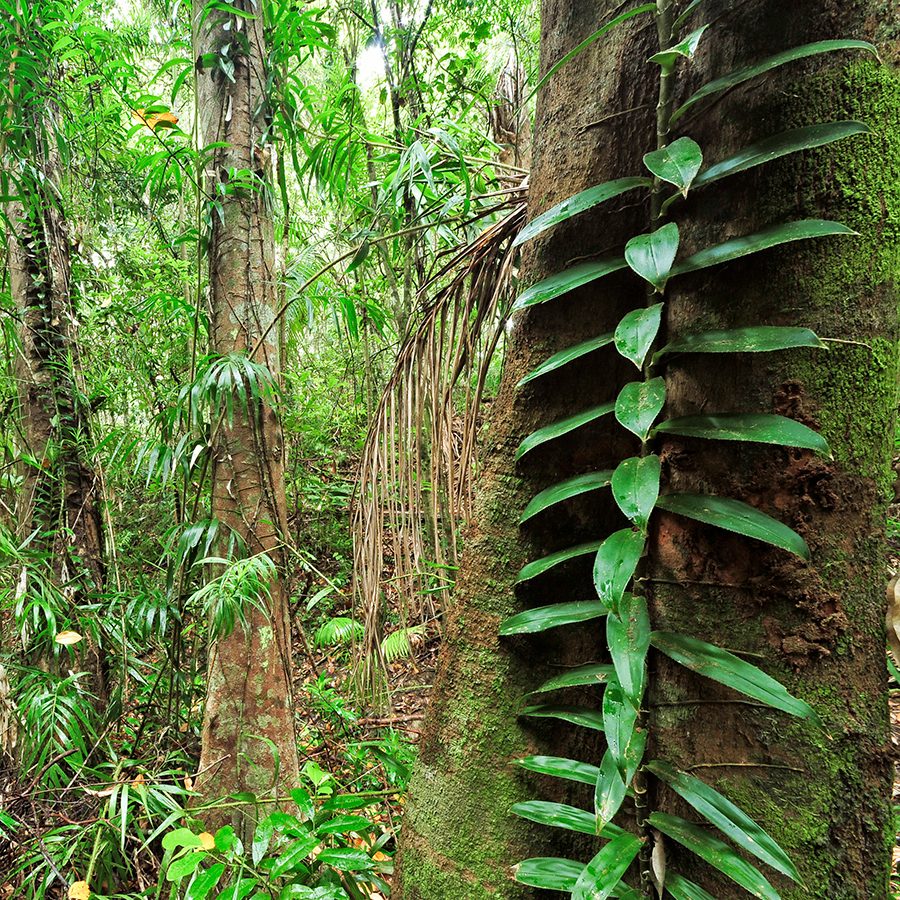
[415,478]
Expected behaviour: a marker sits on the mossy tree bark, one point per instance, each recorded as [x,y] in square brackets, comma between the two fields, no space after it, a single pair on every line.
[249,742]
[818,627]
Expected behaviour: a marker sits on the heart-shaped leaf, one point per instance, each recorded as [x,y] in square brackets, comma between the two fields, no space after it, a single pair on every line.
[609,792]
[601,877]
[678,163]
[635,487]
[617,558]
[638,405]
[684,49]
[636,332]
[653,255]
[628,638]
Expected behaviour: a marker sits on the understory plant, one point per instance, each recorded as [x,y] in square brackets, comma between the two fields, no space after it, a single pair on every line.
[623,559]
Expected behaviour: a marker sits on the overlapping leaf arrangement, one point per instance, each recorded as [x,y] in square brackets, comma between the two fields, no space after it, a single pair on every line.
[635,485]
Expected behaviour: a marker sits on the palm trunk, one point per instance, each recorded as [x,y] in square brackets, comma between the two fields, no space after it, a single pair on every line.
[248,732]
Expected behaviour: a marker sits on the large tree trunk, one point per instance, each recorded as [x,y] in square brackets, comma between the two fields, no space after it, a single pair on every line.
[60,499]
[825,796]
[249,671]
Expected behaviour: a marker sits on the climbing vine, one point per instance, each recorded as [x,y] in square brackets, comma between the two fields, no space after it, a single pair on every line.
[676,167]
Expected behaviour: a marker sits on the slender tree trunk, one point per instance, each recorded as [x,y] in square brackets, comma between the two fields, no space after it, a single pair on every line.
[825,795]
[248,732]
[60,499]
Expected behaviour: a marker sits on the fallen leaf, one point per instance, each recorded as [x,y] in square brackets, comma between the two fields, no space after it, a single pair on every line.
[67,638]
[79,891]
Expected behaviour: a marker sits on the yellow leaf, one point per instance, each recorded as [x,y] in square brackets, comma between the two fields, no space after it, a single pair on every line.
[79,891]
[207,841]
[67,638]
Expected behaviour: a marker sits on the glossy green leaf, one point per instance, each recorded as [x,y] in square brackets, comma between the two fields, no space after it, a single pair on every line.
[726,668]
[617,558]
[682,889]
[565,490]
[684,49]
[635,487]
[733,515]
[345,859]
[548,872]
[562,427]
[558,360]
[545,563]
[684,16]
[557,815]
[717,853]
[559,767]
[563,282]
[758,339]
[603,29]
[760,428]
[577,715]
[184,865]
[579,203]
[638,405]
[653,255]
[204,882]
[739,76]
[601,876]
[761,240]
[628,638]
[545,617]
[678,163]
[619,721]
[634,754]
[779,145]
[609,791]
[732,821]
[583,676]
[636,332]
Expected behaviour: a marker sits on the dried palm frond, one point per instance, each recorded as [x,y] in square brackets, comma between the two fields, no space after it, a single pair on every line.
[416,473]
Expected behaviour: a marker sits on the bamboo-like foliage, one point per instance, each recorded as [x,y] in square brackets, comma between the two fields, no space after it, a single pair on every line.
[415,476]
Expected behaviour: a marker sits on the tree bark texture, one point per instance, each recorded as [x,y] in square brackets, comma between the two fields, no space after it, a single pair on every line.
[248,709]
[824,794]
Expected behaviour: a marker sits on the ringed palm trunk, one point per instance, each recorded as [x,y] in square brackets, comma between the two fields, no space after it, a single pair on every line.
[248,732]
[820,628]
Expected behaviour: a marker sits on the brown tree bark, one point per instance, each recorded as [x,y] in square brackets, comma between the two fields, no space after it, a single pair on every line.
[819,627]
[249,709]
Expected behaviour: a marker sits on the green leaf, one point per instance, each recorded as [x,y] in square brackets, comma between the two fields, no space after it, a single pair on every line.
[593,674]
[678,163]
[559,767]
[577,715]
[545,617]
[733,515]
[565,490]
[761,240]
[682,889]
[180,837]
[628,638]
[635,487]
[717,853]
[634,754]
[617,558]
[758,339]
[548,872]
[601,877]
[203,883]
[539,566]
[579,203]
[760,428]
[637,331]
[739,76]
[609,791]
[684,49]
[557,815]
[612,23]
[732,821]
[619,720]
[652,255]
[184,865]
[780,145]
[290,857]
[563,282]
[726,668]
[638,405]
[563,426]
[345,859]
[558,360]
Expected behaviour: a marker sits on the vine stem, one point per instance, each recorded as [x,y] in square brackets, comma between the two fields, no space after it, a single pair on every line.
[664,29]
